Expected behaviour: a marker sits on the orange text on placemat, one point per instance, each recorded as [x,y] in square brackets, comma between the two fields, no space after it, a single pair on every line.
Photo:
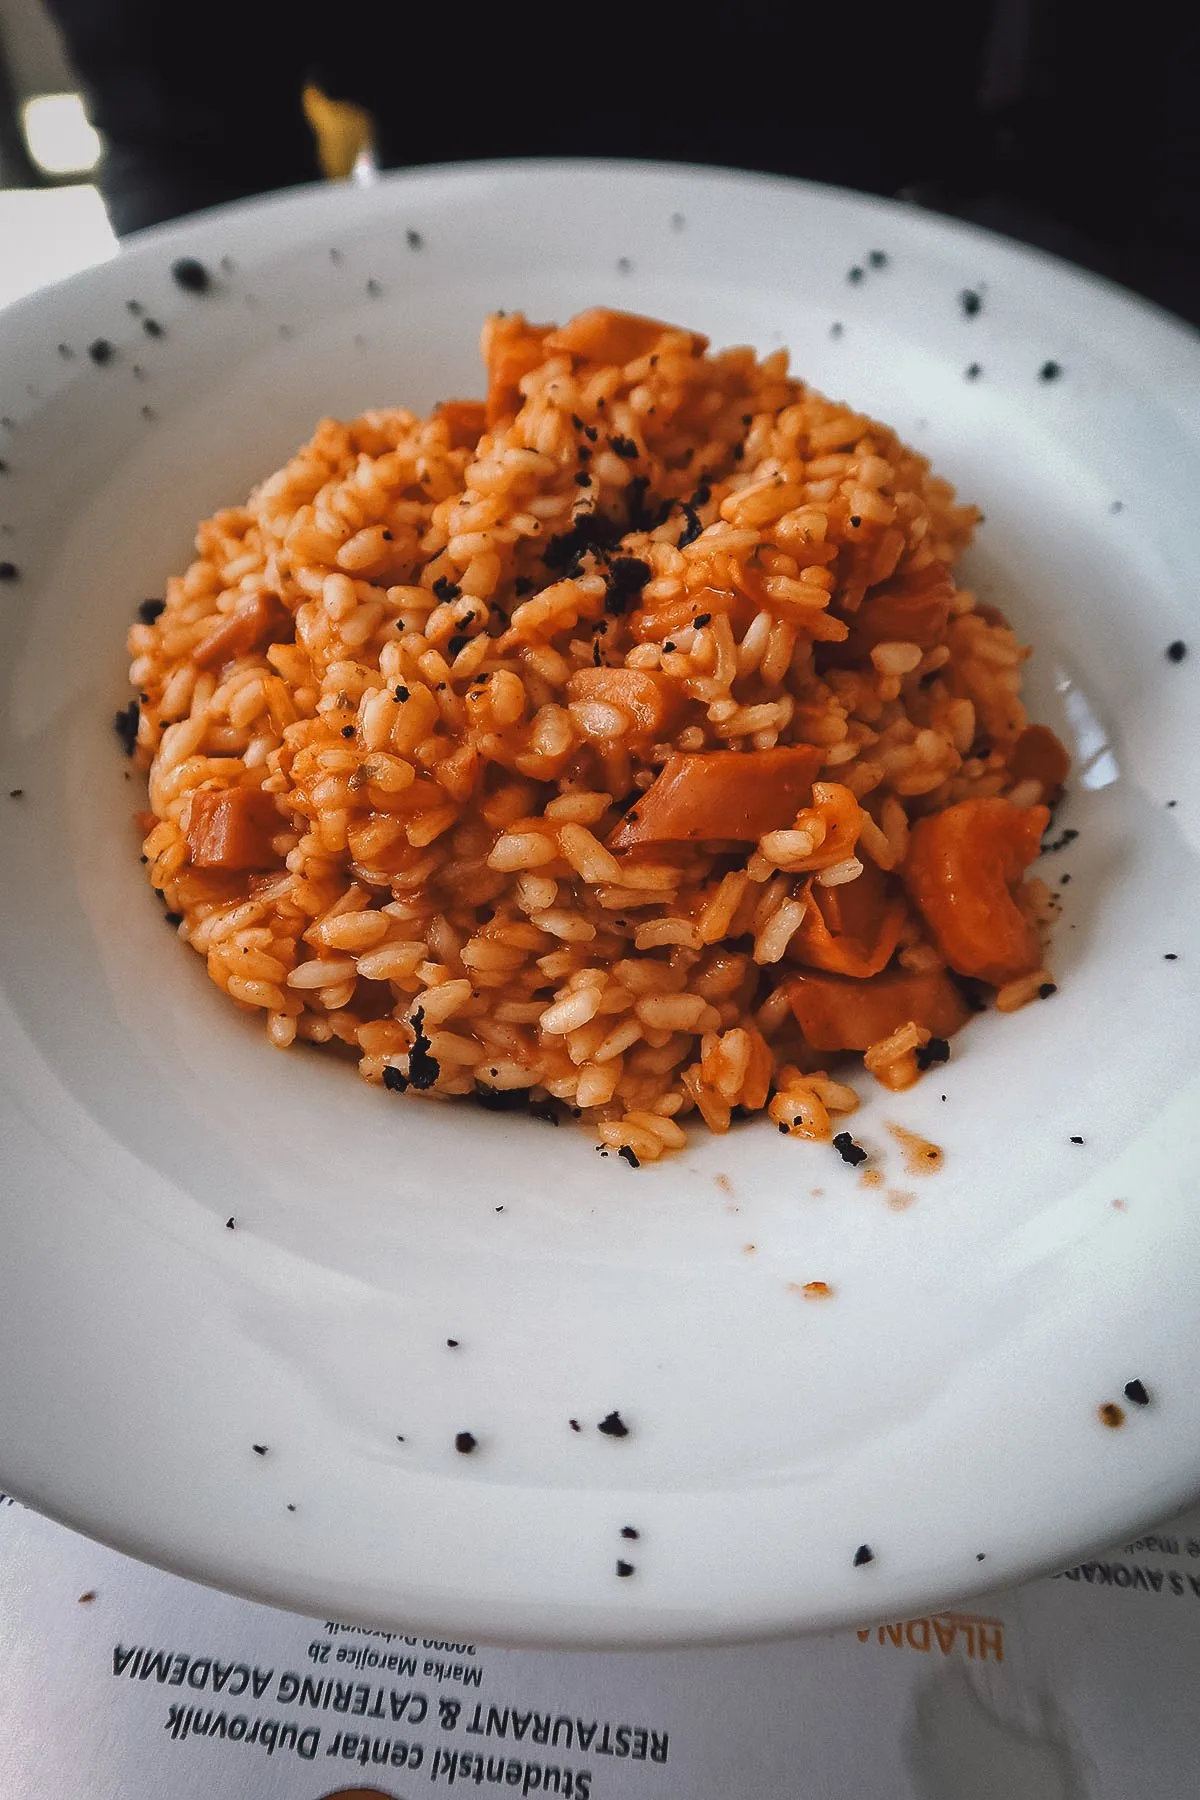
[964,1634]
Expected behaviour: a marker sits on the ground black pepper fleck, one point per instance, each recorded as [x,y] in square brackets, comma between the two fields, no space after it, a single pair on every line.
[1047,988]
[1170,803]
[855,521]
[613,1425]
[400,693]
[836,329]
[701,620]
[452,1343]
[191,275]
[1065,837]
[153,329]
[414,239]
[1136,1391]
[135,307]
[854,275]
[623,447]
[10,572]
[1170,956]
[937,1050]
[863,1555]
[423,1069]
[347,731]
[394,1081]
[693,526]
[980,1555]
[1050,371]
[624,266]
[1077,1140]
[16,793]
[291,1506]
[630,1531]
[877,259]
[148,610]
[971,302]
[259,1449]
[848,1150]
[173,919]
[125,724]
[230,1224]
[574,1424]
[624,1568]
[973,371]
[627,1154]
[1176,651]
[101,351]
[465,1442]
[641,516]
[627,576]
[458,642]
[582,478]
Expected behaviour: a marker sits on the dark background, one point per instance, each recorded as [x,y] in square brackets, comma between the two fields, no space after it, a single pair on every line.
[1045,119]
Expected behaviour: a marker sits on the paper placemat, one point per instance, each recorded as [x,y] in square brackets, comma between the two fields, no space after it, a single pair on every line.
[122,1683]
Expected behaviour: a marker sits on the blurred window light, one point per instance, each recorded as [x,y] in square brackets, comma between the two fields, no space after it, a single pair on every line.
[58,136]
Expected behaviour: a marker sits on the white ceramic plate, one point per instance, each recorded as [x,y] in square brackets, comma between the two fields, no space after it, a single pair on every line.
[943,1407]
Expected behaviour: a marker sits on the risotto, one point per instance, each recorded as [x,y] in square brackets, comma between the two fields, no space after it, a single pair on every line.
[622,744]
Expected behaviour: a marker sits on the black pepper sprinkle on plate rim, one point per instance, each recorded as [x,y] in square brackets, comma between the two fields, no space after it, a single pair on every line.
[465,1442]
[1137,1392]
[1176,650]
[613,1425]
[624,1569]
[259,1449]
[848,1150]
[863,1555]
[188,273]
[1050,370]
